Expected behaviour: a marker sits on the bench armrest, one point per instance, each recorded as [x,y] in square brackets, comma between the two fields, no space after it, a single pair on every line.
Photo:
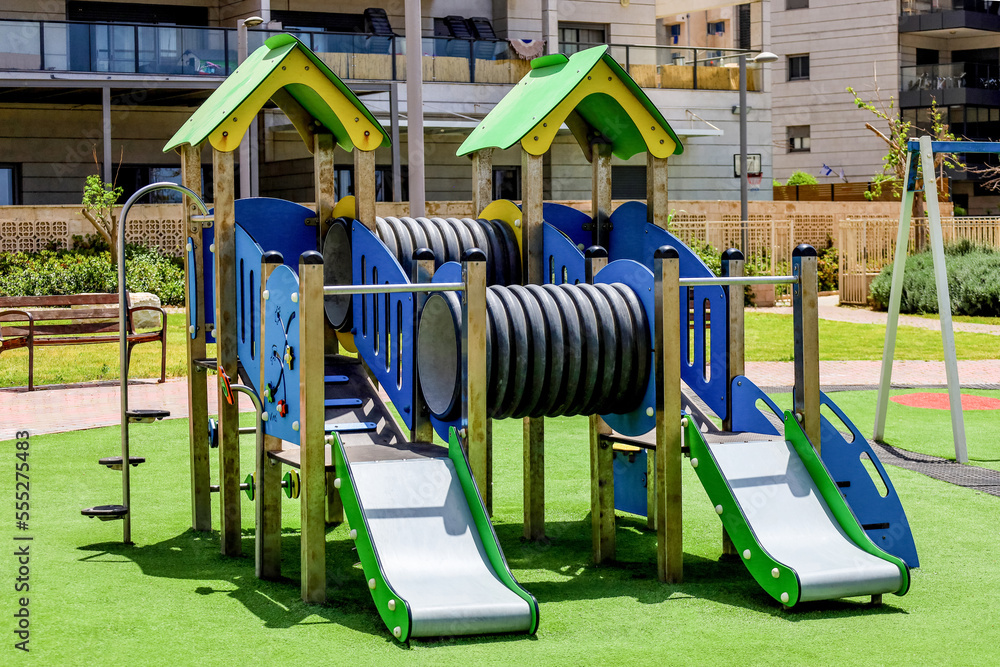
[26,315]
[163,316]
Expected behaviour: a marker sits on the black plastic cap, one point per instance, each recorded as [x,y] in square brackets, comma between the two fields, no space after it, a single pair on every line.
[272,257]
[596,252]
[804,250]
[666,252]
[473,255]
[733,254]
[422,254]
[310,257]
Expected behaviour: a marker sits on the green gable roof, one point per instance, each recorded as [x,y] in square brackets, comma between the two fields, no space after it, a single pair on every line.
[611,105]
[301,84]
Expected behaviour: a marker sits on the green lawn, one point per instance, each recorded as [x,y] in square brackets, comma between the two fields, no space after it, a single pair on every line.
[172,599]
[769,337]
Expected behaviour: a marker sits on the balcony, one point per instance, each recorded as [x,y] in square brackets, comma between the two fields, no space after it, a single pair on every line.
[950,84]
[158,50]
[970,16]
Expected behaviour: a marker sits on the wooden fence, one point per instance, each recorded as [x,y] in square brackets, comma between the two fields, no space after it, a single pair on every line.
[868,243]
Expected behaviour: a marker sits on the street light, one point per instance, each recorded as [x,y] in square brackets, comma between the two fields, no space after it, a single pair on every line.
[762,57]
[248,147]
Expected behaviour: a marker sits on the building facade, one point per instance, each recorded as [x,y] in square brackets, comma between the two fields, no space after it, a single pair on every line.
[907,54]
[92,86]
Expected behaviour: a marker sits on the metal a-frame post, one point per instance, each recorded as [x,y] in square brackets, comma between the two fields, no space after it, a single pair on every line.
[926,149]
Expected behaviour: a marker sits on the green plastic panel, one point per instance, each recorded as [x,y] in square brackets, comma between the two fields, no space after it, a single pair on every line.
[249,76]
[551,79]
[383,592]
[485,528]
[762,565]
[835,500]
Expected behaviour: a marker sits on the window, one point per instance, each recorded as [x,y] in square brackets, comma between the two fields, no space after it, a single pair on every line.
[798,139]
[575,37]
[675,33]
[717,28]
[796,4]
[628,181]
[10,183]
[798,68]
[344,182]
[743,25]
[506,183]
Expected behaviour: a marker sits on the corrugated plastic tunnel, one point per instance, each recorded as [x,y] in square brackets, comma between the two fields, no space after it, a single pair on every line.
[551,350]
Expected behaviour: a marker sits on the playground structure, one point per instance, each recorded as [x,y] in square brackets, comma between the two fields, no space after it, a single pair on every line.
[526,312]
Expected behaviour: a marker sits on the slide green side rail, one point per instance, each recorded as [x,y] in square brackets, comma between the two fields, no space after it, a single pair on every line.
[393,609]
[835,500]
[486,533]
[777,580]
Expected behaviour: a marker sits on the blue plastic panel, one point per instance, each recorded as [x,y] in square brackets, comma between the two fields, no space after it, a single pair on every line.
[703,369]
[568,220]
[383,323]
[449,272]
[882,518]
[563,261]
[640,279]
[208,268]
[630,482]
[248,256]
[276,224]
[281,330]
[192,292]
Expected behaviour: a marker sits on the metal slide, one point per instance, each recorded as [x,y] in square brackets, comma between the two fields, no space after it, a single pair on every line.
[426,545]
[788,520]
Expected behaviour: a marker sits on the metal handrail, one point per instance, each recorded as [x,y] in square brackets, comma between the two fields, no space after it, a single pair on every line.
[743,280]
[330,290]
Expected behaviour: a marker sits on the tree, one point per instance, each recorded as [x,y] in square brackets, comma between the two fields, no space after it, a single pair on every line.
[99,199]
[898,134]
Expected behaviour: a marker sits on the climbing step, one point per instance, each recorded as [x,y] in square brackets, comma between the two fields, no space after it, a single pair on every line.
[106,512]
[351,427]
[115,462]
[334,379]
[145,416]
[342,402]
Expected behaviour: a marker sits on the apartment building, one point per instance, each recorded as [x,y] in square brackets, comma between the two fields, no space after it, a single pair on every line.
[920,50]
[98,86]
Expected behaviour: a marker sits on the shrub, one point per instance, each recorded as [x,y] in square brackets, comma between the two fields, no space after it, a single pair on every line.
[828,267]
[53,272]
[801,178]
[973,282]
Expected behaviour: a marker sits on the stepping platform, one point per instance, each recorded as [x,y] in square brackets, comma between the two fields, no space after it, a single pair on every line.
[106,512]
[115,462]
[145,416]
[210,364]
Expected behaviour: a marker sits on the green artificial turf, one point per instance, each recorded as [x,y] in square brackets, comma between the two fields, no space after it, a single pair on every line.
[173,600]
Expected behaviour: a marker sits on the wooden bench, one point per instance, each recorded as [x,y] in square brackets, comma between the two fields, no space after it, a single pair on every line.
[58,323]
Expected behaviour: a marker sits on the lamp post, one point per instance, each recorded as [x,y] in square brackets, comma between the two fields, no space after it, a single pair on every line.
[763,57]
[248,146]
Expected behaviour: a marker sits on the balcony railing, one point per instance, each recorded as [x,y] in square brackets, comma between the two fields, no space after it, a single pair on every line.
[934,6]
[70,46]
[979,76]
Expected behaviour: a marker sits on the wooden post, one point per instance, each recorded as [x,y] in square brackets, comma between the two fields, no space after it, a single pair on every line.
[602,457]
[197,389]
[423,272]
[732,267]
[601,192]
[474,369]
[325,180]
[267,549]
[656,190]
[532,269]
[482,179]
[364,188]
[225,339]
[312,428]
[805,314]
[669,533]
